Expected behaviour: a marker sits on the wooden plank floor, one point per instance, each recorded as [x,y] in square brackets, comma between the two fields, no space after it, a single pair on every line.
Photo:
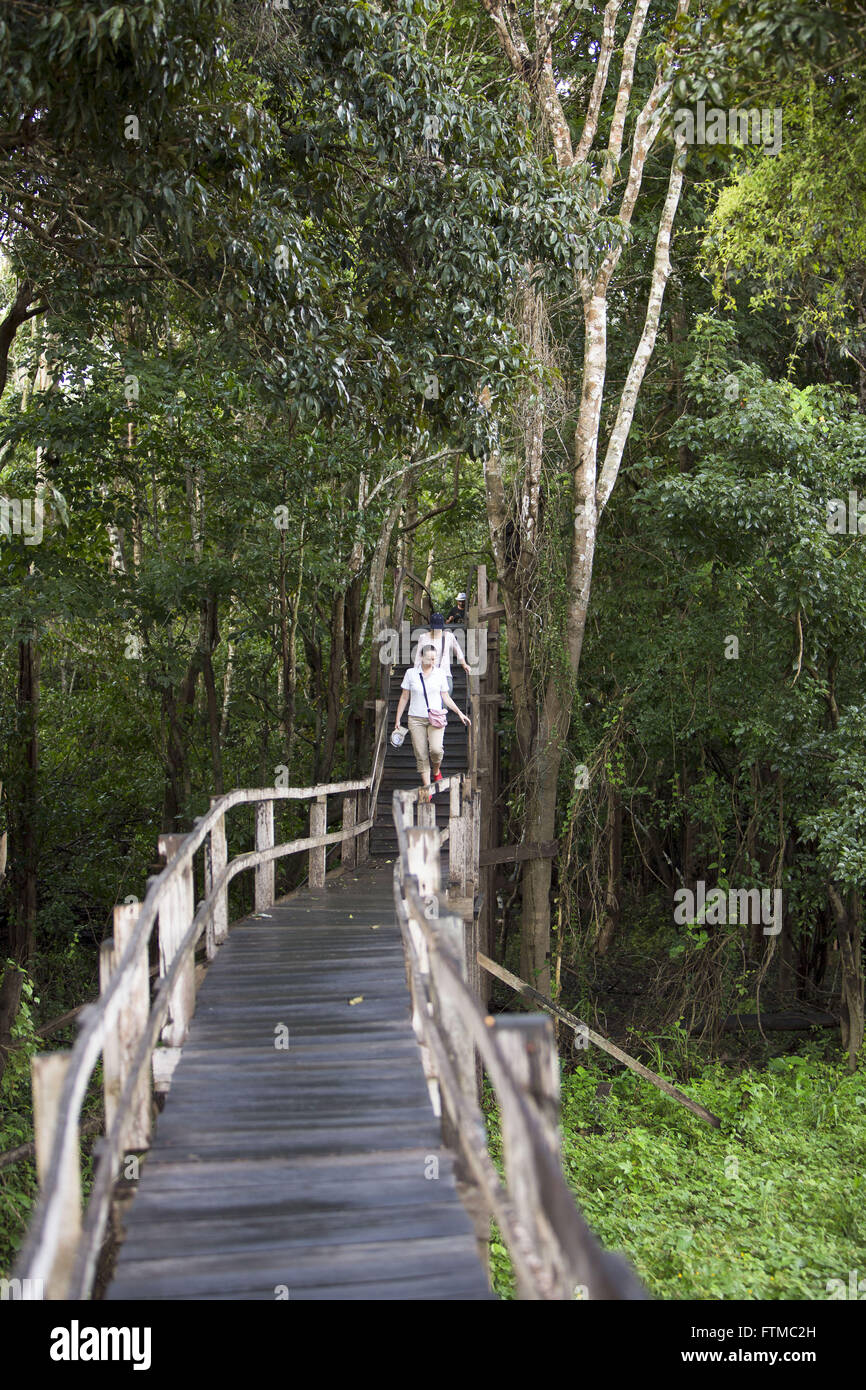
[302,1172]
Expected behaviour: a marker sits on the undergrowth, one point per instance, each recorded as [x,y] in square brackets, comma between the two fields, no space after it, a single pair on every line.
[768,1206]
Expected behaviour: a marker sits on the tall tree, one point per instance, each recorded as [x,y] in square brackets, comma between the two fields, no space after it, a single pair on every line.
[614,170]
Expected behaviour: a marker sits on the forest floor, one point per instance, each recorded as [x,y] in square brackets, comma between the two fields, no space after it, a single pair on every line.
[768,1206]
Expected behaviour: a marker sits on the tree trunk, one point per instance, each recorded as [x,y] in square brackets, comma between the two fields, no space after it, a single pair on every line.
[537,873]
[334,687]
[549,709]
[848,935]
[352,647]
[227,692]
[313,653]
[211,641]
[614,871]
[22,792]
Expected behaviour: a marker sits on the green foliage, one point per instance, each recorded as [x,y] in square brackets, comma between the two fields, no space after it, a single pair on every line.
[790,228]
[769,1206]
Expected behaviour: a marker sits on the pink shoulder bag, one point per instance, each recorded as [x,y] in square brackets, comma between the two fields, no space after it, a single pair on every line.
[437,717]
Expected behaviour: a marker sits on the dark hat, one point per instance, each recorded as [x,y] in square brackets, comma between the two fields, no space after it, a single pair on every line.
[436,620]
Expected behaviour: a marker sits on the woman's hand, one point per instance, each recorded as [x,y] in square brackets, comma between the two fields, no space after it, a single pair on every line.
[464,717]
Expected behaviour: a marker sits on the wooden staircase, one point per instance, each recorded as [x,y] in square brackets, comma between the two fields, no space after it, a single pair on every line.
[401,772]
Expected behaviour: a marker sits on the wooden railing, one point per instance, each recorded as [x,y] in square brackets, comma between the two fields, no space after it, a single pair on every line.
[554,1255]
[139,1041]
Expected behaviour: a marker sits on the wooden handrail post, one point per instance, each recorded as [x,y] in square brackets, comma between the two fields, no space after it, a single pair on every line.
[455,838]
[318,826]
[264,873]
[131,1027]
[529,1049]
[111,1082]
[175,915]
[528,1045]
[349,846]
[405,811]
[466,839]
[473,878]
[422,860]
[458,1036]
[48,1070]
[215,861]
[474,840]
[120,1045]
[363,812]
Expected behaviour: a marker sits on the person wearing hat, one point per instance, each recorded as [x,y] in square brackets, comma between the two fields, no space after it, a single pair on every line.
[458,612]
[445,645]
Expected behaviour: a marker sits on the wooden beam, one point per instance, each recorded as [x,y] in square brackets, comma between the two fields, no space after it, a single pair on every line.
[131,1027]
[48,1072]
[264,872]
[318,828]
[514,854]
[215,861]
[527,992]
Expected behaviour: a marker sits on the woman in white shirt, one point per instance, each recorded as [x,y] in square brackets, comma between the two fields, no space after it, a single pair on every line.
[445,645]
[426,686]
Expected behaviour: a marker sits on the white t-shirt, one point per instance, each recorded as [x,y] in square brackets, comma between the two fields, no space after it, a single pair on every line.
[446,645]
[436,682]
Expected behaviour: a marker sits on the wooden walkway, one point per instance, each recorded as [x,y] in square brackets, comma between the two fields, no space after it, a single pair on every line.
[303,1172]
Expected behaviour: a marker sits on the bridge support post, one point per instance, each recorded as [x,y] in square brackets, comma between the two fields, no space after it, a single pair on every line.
[349,847]
[423,862]
[175,916]
[215,861]
[264,890]
[405,809]
[463,849]
[120,1047]
[318,826]
[111,1065]
[455,837]
[426,871]
[529,1049]
[473,850]
[48,1071]
[362,841]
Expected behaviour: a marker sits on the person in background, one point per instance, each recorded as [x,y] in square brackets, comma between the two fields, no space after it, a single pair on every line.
[426,688]
[457,614]
[445,645]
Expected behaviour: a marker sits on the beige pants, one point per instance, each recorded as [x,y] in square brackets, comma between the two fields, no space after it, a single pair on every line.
[427,743]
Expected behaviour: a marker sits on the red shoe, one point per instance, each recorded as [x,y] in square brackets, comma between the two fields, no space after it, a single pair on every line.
[437,776]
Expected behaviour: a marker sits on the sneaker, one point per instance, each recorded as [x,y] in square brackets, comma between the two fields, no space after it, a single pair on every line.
[437,776]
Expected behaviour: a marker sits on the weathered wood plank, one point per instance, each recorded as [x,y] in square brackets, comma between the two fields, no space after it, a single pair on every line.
[48,1072]
[296,1141]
